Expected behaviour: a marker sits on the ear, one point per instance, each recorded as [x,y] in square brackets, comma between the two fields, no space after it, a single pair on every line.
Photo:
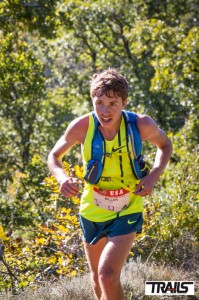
[125,102]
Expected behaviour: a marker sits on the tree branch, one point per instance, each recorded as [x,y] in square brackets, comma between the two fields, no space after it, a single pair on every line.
[10,273]
[93,53]
[102,41]
[32,199]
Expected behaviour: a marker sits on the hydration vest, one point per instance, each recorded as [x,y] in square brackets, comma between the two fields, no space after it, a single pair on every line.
[95,165]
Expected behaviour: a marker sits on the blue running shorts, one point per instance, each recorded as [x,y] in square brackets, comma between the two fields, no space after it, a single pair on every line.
[94,231]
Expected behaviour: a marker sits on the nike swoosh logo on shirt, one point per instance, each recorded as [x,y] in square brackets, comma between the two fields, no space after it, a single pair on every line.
[116,149]
[131,222]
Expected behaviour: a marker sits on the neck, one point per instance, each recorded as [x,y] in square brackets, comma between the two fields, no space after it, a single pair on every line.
[110,133]
[109,136]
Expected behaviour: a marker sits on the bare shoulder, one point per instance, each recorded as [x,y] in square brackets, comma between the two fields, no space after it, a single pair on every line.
[74,134]
[146,126]
[149,131]
[77,129]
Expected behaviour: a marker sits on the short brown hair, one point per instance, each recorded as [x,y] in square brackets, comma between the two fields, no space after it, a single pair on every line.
[110,83]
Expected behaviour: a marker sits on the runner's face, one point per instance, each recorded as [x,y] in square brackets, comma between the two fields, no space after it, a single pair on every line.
[108,110]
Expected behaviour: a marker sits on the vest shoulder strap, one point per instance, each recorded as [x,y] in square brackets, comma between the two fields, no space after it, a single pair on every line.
[140,168]
[132,131]
[95,165]
[98,144]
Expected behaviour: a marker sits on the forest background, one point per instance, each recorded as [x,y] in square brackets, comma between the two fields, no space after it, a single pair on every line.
[48,52]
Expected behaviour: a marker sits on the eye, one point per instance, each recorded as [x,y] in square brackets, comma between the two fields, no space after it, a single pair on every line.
[113,103]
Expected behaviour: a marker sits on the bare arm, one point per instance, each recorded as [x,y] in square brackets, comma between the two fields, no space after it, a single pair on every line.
[75,134]
[150,132]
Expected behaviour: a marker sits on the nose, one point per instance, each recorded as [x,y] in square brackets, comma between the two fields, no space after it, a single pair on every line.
[105,109]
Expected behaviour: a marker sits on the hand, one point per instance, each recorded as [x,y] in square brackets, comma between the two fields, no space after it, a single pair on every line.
[145,186]
[69,188]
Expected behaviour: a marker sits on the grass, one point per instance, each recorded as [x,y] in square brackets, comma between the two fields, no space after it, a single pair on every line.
[134,275]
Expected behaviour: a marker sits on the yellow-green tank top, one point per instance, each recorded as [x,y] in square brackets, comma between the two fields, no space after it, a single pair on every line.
[117,173]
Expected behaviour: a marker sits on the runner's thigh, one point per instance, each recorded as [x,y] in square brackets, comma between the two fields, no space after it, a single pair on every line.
[93,253]
[116,251]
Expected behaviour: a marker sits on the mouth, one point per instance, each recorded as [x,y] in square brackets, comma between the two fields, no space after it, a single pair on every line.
[106,120]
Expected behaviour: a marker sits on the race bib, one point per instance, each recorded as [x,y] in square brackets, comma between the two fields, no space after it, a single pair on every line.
[115,200]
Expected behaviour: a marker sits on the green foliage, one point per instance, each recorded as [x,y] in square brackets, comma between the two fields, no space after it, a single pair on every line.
[144,42]
[171,233]
[38,15]
[176,216]
[22,90]
[22,201]
[49,249]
